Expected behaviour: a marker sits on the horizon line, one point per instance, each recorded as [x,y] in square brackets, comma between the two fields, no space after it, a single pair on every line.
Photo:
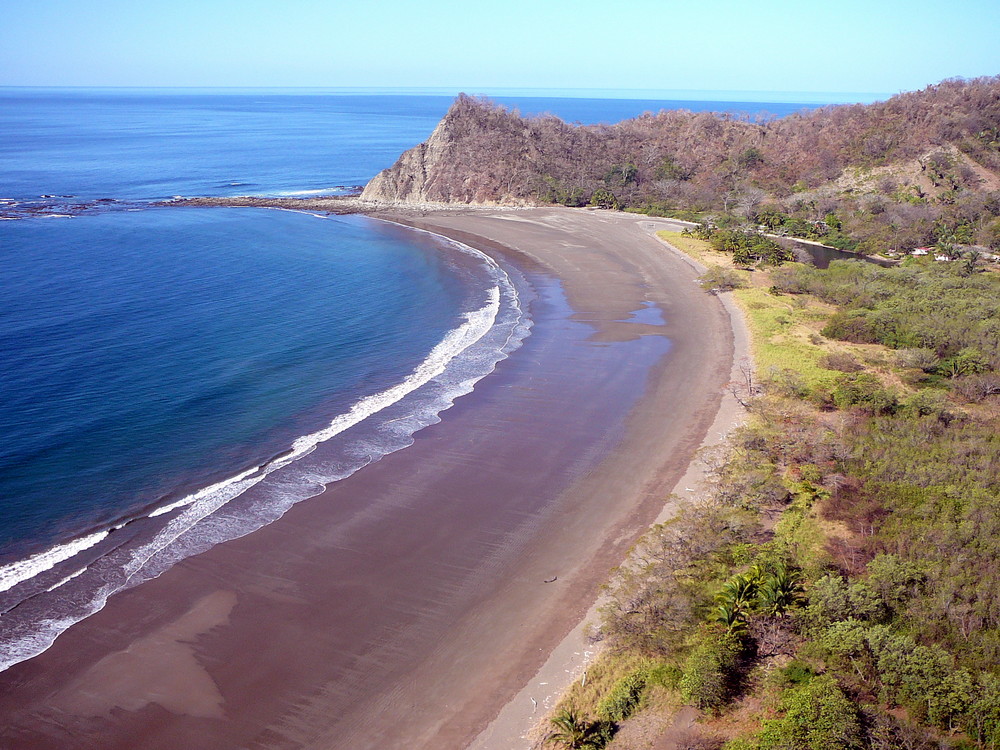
[546,91]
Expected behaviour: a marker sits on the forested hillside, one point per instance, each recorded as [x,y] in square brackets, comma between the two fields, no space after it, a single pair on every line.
[918,169]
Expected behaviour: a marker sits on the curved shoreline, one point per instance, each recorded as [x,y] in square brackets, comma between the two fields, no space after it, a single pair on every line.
[298,637]
[514,721]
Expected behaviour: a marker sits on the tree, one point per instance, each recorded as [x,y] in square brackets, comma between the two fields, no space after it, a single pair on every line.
[864,390]
[982,719]
[750,198]
[779,592]
[969,361]
[669,169]
[603,198]
[990,235]
[621,175]
[749,248]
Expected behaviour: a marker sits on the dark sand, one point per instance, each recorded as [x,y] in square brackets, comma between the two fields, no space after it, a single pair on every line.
[408,603]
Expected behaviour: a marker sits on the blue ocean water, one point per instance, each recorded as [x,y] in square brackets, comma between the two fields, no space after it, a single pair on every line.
[145,350]
[157,362]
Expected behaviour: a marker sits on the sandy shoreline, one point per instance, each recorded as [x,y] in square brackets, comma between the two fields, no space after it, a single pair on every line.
[407,604]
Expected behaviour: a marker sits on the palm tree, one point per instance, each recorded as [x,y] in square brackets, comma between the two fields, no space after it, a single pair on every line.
[736,599]
[573,731]
[779,592]
[731,617]
[738,592]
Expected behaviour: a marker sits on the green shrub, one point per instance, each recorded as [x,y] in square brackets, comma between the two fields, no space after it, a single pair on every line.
[864,390]
[603,198]
[797,673]
[709,675]
[818,716]
[850,325]
[623,698]
[969,361]
[664,675]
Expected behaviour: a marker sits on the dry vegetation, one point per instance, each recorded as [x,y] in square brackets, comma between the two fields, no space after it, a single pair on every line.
[918,169]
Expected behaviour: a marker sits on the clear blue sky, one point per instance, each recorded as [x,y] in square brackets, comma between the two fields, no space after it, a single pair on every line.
[882,46]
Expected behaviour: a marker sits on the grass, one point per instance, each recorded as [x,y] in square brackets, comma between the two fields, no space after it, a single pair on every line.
[783,329]
[700,250]
[782,336]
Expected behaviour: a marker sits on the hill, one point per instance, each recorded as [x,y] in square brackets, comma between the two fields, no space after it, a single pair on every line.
[920,168]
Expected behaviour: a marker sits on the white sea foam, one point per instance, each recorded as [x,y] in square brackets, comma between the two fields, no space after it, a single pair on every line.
[476,324]
[21,570]
[212,488]
[67,579]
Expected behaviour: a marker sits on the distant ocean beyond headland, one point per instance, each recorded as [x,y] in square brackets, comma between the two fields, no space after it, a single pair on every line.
[159,361]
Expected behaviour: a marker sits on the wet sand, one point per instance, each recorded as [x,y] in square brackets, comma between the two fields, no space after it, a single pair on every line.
[408,603]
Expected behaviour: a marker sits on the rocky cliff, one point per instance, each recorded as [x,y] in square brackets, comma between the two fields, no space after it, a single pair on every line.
[411,178]
[474,156]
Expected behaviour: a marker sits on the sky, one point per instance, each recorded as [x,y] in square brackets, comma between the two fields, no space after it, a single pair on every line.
[874,46]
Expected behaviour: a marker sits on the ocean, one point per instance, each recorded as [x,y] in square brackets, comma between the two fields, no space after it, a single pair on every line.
[173,377]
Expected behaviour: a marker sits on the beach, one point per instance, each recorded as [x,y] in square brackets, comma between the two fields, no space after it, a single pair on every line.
[407,604]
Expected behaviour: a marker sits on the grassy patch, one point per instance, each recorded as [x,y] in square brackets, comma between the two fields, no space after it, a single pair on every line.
[607,675]
[782,334]
[700,250]
[784,329]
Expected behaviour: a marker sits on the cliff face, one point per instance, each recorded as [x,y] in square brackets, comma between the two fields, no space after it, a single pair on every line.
[410,179]
[472,157]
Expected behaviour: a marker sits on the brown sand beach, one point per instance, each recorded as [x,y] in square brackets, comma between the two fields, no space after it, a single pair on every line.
[406,605]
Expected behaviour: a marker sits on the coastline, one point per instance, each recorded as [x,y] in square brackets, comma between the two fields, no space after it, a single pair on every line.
[487,616]
[521,723]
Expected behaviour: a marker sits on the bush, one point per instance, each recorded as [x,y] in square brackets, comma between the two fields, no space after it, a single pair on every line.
[865,391]
[976,388]
[927,404]
[790,279]
[720,279]
[840,361]
[709,676]
[603,198]
[818,716]
[853,326]
[623,698]
[797,673]
[664,675]
[920,359]
[969,361]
